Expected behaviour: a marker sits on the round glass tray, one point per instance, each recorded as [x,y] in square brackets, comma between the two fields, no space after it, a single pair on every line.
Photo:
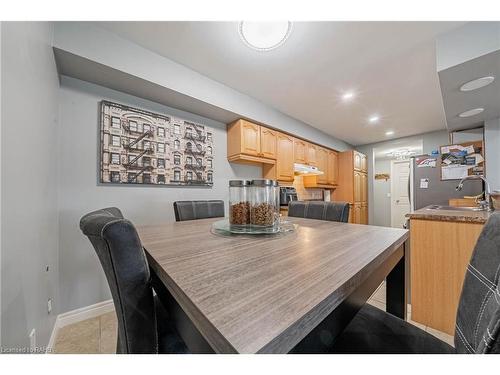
[223,227]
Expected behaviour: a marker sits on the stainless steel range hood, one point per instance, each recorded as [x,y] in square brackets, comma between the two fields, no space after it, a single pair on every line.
[306,170]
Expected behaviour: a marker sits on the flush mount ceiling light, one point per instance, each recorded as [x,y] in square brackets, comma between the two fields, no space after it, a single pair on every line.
[373,119]
[477,83]
[471,112]
[348,96]
[389,132]
[264,36]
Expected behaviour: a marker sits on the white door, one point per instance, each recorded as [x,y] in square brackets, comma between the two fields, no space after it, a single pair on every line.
[400,202]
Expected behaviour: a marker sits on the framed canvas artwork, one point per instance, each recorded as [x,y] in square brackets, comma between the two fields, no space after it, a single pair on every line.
[141,147]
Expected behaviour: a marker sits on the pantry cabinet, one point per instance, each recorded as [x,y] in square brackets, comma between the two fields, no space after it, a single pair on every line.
[353,185]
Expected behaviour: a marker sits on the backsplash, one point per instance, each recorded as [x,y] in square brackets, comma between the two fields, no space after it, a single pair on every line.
[306,193]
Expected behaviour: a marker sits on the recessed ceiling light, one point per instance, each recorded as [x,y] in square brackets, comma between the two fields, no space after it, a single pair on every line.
[471,112]
[264,36]
[373,119]
[348,96]
[477,83]
[389,132]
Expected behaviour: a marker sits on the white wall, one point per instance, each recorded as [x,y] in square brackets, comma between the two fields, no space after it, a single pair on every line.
[81,278]
[492,152]
[29,219]
[381,202]
[430,141]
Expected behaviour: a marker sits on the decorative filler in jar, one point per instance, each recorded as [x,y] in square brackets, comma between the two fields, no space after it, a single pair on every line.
[239,203]
[264,203]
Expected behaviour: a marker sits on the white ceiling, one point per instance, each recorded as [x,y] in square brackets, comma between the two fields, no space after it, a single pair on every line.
[412,145]
[390,65]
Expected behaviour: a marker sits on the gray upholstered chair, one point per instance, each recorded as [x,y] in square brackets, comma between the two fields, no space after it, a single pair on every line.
[478,318]
[192,210]
[143,323]
[331,211]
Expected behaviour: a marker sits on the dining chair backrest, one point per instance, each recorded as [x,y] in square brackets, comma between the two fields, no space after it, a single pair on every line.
[477,327]
[122,257]
[192,210]
[330,211]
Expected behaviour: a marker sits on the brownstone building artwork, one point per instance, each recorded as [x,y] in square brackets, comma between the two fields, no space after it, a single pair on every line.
[140,147]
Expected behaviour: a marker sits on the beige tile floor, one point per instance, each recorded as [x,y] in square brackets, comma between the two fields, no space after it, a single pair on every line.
[98,335]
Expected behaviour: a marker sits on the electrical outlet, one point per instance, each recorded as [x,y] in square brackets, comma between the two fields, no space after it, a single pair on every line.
[32,338]
[49,305]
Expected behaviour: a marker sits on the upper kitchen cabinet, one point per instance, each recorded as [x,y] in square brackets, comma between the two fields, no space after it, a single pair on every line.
[284,162]
[311,157]
[327,162]
[299,151]
[268,143]
[322,164]
[332,170]
[250,143]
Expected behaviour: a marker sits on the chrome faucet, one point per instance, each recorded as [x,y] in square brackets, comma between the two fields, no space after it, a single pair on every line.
[487,203]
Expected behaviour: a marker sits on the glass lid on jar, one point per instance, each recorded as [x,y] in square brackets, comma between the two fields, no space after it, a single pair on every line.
[240,182]
[265,183]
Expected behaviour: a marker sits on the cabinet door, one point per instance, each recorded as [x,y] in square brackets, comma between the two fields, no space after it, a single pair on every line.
[267,143]
[364,187]
[322,159]
[299,151]
[364,164]
[357,161]
[333,169]
[250,138]
[284,161]
[311,155]
[357,214]
[358,186]
[364,214]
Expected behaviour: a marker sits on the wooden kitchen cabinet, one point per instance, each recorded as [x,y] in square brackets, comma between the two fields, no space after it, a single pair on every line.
[332,168]
[250,143]
[322,164]
[364,164]
[353,185]
[299,151]
[311,154]
[284,163]
[440,253]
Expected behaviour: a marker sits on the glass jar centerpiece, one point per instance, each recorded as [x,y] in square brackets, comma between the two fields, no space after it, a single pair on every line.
[239,203]
[264,203]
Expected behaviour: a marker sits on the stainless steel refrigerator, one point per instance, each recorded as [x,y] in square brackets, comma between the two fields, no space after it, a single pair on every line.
[426,187]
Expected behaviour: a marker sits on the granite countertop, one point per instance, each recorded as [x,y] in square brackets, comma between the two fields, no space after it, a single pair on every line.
[465,216]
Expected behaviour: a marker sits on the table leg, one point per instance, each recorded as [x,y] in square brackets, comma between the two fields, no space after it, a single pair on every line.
[396,287]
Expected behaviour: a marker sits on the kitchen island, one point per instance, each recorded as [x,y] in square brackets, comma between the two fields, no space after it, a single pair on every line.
[441,244]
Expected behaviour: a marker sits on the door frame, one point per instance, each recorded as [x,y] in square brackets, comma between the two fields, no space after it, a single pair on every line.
[393,181]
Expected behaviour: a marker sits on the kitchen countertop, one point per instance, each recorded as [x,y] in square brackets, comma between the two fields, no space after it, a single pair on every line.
[464,216]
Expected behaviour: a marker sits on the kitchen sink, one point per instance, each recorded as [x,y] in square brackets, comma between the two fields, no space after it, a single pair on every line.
[453,208]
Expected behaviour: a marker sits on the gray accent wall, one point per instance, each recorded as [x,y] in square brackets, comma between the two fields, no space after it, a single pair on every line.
[430,141]
[29,157]
[81,279]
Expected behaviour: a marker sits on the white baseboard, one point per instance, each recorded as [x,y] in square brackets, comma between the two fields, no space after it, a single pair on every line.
[78,315]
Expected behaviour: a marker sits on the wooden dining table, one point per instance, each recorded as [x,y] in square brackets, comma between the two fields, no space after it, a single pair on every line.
[286,293]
